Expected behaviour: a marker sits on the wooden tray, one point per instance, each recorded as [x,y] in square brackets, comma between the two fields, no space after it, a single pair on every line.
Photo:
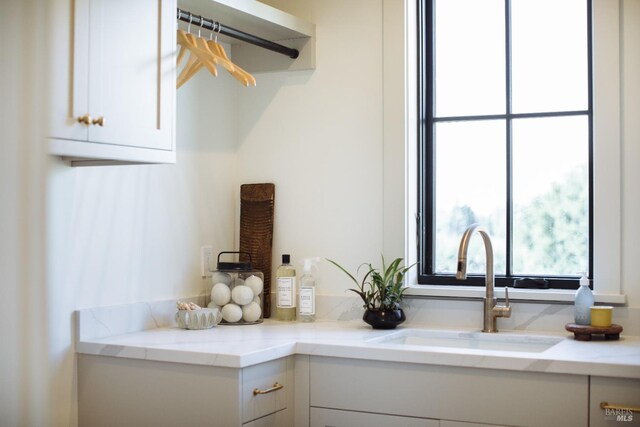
[585,332]
[256,232]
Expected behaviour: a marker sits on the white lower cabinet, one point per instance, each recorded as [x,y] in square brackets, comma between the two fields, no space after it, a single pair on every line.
[455,396]
[618,396]
[114,391]
[321,391]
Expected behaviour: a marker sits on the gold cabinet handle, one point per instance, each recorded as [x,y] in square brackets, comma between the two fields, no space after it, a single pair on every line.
[606,405]
[86,119]
[99,121]
[276,386]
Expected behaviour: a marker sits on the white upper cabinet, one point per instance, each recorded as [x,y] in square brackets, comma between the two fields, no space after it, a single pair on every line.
[112,81]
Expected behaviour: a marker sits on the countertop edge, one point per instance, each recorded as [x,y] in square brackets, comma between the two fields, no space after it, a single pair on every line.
[266,345]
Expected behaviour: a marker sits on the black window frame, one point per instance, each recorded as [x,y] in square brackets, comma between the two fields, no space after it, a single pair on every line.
[425,158]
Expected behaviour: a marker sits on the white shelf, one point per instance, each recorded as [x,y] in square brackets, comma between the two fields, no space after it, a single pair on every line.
[264,21]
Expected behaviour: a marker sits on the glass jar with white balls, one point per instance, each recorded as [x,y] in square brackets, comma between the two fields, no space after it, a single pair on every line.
[237,291]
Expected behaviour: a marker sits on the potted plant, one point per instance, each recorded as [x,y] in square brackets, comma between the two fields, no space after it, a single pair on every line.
[381,291]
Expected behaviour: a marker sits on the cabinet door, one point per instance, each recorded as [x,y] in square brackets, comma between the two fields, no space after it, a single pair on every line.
[621,394]
[321,417]
[131,45]
[114,61]
[116,391]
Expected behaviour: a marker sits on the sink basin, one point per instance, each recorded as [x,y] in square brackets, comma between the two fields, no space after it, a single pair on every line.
[469,340]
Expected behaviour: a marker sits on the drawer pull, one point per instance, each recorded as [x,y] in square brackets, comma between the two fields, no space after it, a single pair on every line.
[99,121]
[606,405]
[276,386]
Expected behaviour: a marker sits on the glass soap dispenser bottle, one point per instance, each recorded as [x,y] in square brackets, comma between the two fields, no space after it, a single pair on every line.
[307,292]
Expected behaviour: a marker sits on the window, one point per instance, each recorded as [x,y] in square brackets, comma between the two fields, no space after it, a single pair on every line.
[505,138]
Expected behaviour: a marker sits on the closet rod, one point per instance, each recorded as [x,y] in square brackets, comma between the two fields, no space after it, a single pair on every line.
[217,27]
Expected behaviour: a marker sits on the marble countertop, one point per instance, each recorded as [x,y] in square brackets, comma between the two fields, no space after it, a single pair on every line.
[242,346]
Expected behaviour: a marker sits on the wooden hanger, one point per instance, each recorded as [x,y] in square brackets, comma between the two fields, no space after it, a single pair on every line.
[207,54]
[186,45]
[241,75]
[182,41]
[210,59]
[223,60]
[200,56]
[226,62]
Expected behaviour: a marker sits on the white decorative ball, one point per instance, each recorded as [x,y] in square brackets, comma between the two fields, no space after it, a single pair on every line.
[220,294]
[242,295]
[220,277]
[256,299]
[231,313]
[255,283]
[212,305]
[251,312]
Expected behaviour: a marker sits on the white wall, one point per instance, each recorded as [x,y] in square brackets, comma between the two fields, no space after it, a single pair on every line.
[23,343]
[631,151]
[318,135]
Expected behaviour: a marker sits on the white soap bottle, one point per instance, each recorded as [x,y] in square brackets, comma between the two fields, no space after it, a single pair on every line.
[286,290]
[307,293]
[584,301]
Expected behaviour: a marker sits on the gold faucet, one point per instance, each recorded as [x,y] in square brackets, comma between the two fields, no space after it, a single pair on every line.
[491,309]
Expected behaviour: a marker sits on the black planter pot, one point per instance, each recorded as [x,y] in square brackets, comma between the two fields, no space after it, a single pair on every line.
[384,319]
